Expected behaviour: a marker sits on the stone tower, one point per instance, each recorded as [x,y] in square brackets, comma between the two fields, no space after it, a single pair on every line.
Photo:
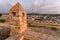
[18,19]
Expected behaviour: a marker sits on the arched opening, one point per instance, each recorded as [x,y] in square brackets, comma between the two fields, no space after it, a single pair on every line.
[14,13]
[23,14]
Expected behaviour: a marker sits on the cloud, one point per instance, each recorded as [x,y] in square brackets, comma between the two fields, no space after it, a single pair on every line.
[46,6]
[37,6]
[36,2]
[4,6]
[12,2]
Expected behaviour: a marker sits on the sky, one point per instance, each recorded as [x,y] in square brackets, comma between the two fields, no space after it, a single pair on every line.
[33,6]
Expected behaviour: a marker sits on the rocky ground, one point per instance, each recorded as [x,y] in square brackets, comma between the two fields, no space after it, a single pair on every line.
[43,34]
[33,33]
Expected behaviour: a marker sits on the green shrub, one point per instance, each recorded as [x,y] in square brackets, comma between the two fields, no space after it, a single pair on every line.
[53,28]
[4,33]
[2,20]
[0,14]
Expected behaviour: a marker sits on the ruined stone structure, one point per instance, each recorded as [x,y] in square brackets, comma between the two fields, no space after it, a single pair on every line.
[18,20]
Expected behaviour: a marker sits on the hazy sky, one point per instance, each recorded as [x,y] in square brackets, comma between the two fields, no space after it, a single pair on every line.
[37,6]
